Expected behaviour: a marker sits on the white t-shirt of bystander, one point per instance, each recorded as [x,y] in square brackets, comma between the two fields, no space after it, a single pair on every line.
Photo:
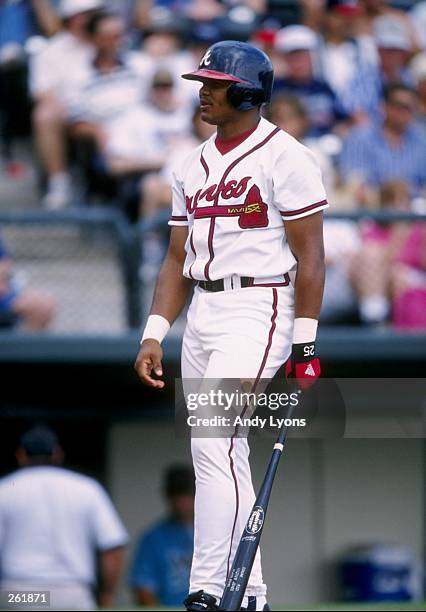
[52,523]
[61,67]
[105,97]
[147,133]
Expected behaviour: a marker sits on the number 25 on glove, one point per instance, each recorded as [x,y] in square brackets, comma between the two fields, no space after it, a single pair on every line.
[303,365]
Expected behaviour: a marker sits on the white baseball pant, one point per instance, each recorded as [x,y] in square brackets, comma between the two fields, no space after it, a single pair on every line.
[240,333]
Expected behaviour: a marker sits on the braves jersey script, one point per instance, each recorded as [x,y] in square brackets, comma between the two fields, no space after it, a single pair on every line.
[234,204]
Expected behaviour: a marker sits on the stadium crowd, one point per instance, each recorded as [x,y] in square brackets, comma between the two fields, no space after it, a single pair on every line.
[96,84]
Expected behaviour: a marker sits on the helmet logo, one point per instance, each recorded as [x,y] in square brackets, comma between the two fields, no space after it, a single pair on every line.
[205,61]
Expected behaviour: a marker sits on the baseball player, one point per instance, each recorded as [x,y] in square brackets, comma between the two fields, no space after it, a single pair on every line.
[247,236]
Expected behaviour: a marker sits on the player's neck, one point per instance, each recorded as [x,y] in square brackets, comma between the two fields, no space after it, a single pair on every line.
[232,129]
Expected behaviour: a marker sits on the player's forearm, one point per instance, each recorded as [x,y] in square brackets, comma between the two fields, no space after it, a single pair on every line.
[171,291]
[119,165]
[47,17]
[309,284]
[305,238]
[111,567]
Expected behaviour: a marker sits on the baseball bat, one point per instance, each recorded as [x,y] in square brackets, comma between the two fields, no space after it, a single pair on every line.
[239,574]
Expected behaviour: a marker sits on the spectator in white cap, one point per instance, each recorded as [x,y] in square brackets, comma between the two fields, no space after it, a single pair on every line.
[392,39]
[56,73]
[373,9]
[299,46]
[418,70]
[394,48]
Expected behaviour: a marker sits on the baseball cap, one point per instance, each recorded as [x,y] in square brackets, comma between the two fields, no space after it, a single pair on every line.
[295,38]
[391,33]
[345,7]
[39,441]
[69,8]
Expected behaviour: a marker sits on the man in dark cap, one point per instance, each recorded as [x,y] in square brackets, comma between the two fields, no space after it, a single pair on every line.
[160,571]
[57,522]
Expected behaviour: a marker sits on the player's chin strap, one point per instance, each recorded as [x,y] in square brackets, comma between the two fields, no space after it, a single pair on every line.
[200,601]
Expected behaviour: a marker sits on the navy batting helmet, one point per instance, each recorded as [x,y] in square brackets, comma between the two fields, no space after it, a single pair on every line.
[249,69]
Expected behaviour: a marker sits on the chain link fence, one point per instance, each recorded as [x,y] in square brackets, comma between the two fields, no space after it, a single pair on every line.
[101,271]
[86,262]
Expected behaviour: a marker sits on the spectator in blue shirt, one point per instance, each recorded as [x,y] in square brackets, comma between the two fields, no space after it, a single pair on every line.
[299,45]
[394,149]
[162,563]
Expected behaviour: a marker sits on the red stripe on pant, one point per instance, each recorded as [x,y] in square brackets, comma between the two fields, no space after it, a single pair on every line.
[231,446]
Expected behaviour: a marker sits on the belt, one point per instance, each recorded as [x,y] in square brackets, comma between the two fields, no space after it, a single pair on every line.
[242,282]
[219,284]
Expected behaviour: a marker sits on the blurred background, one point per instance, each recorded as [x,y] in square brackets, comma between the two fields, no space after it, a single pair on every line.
[93,116]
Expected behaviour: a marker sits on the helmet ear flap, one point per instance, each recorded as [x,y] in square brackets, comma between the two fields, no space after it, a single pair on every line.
[244,97]
[234,94]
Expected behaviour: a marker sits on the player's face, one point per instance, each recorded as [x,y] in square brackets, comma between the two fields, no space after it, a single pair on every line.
[299,64]
[182,506]
[109,36]
[214,104]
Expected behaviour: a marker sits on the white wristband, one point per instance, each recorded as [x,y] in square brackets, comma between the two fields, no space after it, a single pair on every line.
[305,330]
[156,328]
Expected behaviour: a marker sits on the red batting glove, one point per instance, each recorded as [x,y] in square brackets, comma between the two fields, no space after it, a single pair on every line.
[303,365]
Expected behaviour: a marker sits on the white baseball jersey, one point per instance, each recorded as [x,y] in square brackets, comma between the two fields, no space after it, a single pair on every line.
[234,204]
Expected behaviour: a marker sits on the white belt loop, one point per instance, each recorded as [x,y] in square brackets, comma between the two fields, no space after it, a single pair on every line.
[227,285]
[236,281]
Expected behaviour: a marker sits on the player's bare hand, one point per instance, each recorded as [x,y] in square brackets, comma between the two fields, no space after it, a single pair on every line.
[148,362]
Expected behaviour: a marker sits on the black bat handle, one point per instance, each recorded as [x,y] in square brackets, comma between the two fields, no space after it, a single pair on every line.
[238,577]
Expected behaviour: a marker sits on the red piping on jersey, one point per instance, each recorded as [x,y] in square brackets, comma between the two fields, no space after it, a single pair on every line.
[231,446]
[221,182]
[293,213]
[191,240]
[204,164]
